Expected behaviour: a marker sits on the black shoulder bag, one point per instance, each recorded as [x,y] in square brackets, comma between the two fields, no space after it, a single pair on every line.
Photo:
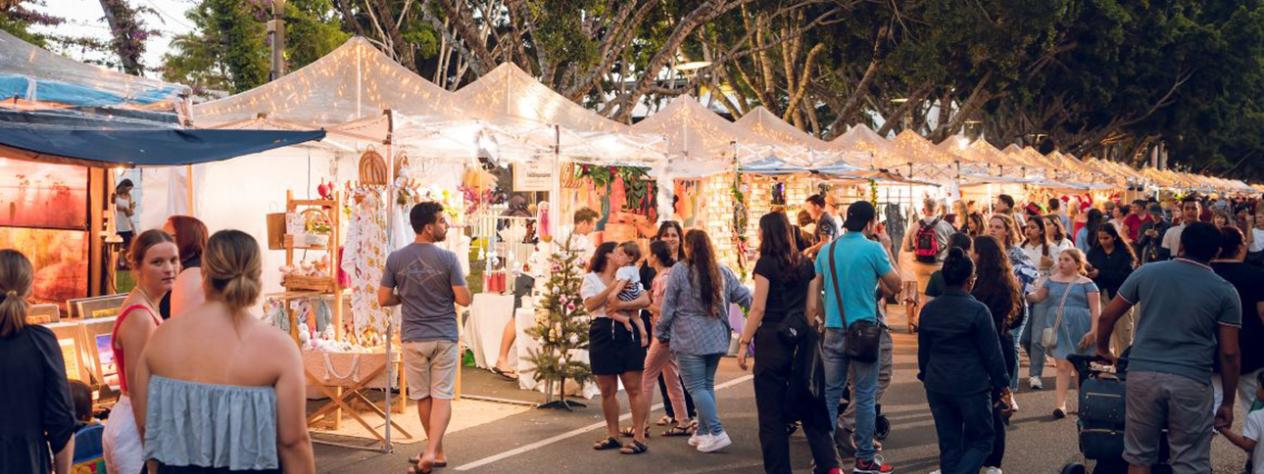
[860,340]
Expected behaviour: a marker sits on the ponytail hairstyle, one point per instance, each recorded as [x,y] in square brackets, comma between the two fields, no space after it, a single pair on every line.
[704,271]
[958,268]
[190,235]
[16,278]
[231,267]
[142,243]
[663,253]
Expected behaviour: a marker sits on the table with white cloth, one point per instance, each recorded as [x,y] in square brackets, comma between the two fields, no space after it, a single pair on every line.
[485,325]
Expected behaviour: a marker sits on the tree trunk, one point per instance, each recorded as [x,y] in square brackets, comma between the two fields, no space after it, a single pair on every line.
[128,38]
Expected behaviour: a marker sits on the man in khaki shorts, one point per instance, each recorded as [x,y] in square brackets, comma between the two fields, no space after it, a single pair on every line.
[428,282]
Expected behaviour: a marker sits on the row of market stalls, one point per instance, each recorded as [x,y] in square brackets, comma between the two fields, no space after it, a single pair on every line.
[327,160]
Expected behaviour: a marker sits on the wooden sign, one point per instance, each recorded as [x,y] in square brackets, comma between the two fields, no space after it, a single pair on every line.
[532,178]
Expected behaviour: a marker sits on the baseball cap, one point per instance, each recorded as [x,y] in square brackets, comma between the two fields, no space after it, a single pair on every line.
[1156,209]
[859,214]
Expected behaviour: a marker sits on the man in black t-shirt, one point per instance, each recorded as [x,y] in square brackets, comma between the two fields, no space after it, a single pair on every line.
[1249,281]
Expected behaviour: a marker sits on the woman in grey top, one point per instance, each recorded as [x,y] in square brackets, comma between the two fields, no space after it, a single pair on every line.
[217,389]
[695,320]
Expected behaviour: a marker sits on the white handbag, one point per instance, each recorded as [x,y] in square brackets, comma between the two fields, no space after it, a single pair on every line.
[1049,335]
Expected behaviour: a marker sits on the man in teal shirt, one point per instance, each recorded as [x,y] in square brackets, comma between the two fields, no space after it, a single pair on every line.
[857,267]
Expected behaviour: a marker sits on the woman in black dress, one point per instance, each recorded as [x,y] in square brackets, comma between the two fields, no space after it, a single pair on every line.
[36,414]
[782,337]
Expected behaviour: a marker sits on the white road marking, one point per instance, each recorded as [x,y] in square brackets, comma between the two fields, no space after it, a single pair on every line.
[576,432]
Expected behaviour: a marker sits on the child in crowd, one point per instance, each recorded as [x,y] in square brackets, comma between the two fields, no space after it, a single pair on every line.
[626,255]
[1249,440]
[89,455]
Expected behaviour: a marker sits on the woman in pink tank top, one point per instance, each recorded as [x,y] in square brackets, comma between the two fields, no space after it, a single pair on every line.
[155,264]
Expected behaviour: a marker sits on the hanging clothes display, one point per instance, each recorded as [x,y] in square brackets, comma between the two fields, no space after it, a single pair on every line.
[896,226]
[364,258]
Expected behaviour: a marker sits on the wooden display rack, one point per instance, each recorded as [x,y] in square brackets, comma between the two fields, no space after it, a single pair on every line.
[309,286]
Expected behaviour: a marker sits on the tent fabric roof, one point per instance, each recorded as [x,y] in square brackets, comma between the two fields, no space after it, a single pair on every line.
[140,147]
[353,82]
[32,74]
[508,93]
[769,128]
[861,138]
[699,142]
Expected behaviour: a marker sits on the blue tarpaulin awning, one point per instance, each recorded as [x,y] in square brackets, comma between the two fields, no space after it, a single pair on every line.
[140,147]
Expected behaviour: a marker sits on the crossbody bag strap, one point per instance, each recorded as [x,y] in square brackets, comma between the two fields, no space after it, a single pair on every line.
[1062,305]
[838,295]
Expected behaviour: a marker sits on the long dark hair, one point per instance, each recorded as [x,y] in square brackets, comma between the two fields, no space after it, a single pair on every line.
[704,270]
[1091,223]
[1044,234]
[662,252]
[995,278]
[680,233]
[191,237]
[1053,223]
[776,242]
[1121,242]
[600,256]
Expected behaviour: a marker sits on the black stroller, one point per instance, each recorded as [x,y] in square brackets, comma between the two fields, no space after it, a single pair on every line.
[1101,419]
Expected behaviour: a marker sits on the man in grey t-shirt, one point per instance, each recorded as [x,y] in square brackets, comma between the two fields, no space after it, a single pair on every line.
[428,282]
[1189,316]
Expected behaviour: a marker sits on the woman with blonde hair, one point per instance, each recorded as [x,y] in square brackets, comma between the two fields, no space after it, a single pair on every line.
[1075,312]
[36,414]
[155,263]
[221,360]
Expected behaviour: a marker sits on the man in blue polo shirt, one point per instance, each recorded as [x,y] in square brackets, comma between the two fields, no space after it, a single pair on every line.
[857,267]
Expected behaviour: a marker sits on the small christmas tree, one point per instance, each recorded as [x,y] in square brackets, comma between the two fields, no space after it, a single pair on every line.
[561,325]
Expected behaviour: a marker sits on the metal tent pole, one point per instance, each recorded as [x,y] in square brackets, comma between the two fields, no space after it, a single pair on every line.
[390,320]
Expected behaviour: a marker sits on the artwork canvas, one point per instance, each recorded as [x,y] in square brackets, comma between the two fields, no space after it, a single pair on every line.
[43,195]
[105,357]
[60,258]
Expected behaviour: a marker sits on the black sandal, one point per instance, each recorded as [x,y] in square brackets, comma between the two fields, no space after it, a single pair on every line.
[628,433]
[677,431]
[506,374]
[608,443]
[635,448]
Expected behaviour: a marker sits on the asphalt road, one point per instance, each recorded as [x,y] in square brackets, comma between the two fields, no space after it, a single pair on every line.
[560,442]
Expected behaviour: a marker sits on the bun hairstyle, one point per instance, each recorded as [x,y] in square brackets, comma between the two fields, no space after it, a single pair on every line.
[231,267]
[958,268]
[142,243]
[16,278]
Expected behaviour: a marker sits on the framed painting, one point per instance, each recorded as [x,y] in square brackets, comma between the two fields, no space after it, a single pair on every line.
[99,336]
[96,307]
[43,195]
[70,338]
[43,314]
[60,258]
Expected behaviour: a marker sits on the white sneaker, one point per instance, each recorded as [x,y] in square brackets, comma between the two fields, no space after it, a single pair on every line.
[697,439]
[1014,403]
[992,470]
[937,471]
[1035,383]
[715,443]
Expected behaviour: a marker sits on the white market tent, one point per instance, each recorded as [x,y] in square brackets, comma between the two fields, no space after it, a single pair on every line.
[701,143]
[809,150]
[861,138]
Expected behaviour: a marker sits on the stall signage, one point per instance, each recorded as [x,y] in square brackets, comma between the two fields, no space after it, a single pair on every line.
[528,178]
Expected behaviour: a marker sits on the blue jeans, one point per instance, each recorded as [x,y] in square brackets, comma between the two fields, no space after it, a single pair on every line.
[1035,350]
[964,426]
[699,374]
[864,396]
[1018,331]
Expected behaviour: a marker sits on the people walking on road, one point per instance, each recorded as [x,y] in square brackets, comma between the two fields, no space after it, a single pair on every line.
[1006,233]
[155,264]
[1248,279]
[960,364]
[219,373]
[427,282]
[935,288]
[671,234]
[1072,317]
[848,272]
[927,240]
[1109,264]
[35,406]
[1189,316]
[616,349]
[1149,245]
[784,341]
[1086,238]
[996,287]
[660,366]
[1190,210]
[695,321]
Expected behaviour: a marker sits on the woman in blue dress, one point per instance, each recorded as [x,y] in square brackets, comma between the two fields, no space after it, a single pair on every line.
[1073,309]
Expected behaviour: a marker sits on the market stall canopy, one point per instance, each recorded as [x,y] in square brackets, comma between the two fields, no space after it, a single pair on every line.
[931,162]
[862,139]
[139,147]
[34,78]
[508,95]
[773,166]
[762,123]
[842,171]
[699,142]
[353,83]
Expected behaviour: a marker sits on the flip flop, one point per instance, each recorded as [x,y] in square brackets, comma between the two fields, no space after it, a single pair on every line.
[508,375]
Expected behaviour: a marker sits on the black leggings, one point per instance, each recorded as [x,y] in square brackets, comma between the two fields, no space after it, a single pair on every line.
[999,421]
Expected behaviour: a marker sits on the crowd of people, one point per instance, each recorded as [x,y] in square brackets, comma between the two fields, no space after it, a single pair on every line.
[1169,287]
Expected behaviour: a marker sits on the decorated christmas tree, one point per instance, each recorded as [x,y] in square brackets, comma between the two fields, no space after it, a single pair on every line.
[561,325]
